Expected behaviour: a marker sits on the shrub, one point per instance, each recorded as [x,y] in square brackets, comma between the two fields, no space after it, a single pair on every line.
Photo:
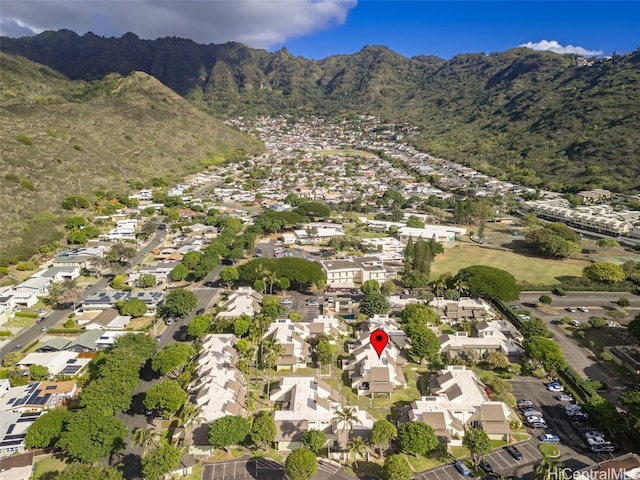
[27,184]
[623,302]
[11,177]
[546,299]
[70,323]
[561,292]
[26,314]
[539,373]
[5,333]
[606,357]
[25,140]
[25,266]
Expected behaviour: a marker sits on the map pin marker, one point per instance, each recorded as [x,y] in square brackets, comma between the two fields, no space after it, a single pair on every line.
[379,340]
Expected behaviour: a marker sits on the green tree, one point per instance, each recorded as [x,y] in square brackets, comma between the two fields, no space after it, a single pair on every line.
[180,302]
[118,282]
[167,396]
[133,307]
[160,462]
[314,440]
[146,438]
[418,313]
[301,464]
[382,434]
[370,287]
[536,327]
[89,436]
[83,471]
[179,273]
[241,325]
[388,288]
[549,469]
[545,351]
[374,304]
[498,360]
[324,351]
[38,372]
[545,299]
[424,343]
[623,302]
[357,448]
[346,418]
[147,280]
[199,326]
[597,322]
[192,259]
[396,467]
[478,443]
[416,438]
[228,431]
[604,272]
[172,356]
[607,243]
[47,429]
[263,430]
[75,223]
[77,237]
[229,276]
[489,282]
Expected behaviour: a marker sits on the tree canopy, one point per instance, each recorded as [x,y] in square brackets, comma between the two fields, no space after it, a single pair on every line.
[299,271]
[489,282]
[478,443]
[605,272]
[416,438]
[396,467]
[180,302]
[314,439]
[172,356]
[47,428]
[167,396]
[163,460]
[554,239]
[263,429]
[228,431]
[301,464]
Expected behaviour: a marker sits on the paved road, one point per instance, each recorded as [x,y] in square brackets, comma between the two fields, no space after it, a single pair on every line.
[30,335]
[578,357]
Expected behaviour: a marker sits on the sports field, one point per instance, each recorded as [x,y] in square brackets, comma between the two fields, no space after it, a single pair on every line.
[524,268]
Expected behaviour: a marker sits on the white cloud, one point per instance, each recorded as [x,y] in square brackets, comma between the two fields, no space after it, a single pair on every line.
[554,46]
[256,23]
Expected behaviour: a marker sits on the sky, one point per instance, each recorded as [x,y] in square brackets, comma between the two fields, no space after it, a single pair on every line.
[316,29]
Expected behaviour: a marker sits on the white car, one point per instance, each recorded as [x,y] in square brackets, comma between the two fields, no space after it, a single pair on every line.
[597,441]
[583,309]
[531,412]
[564,397]
[570,309]
[593,433]
[555,388]
[286,301]
[536,422]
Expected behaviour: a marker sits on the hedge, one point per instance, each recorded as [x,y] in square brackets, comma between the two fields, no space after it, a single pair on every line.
[66,330]
[5,333]
[27,314]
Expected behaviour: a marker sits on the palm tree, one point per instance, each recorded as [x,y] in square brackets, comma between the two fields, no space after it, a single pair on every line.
[145,438]
[358,449]
[347,416]
[270,351]
[548,469]
[189,415]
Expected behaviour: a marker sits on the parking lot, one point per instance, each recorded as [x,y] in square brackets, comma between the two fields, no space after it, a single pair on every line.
[266,469]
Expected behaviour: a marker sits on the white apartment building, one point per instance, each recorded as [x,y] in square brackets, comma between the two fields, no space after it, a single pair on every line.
[354,271]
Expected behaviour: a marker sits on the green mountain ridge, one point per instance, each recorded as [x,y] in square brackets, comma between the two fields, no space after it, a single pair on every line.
[61,137]
[527,116]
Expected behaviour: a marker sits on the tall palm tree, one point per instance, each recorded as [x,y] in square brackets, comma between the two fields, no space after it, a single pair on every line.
[189,415]
[270,351]
[548,469]
[358,449]
[347,416]
[145,438]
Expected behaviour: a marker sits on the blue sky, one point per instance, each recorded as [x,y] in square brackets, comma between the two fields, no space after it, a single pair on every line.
[448,28]
[319,28]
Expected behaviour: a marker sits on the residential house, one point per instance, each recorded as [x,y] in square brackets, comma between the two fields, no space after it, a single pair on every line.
[38,285]
[54,344]
[328,325]
[58,363]
[109,319]
[295,351]
[624,467]
[108,300]
[375,375]
[38,396]
[58,274]
[13,431]
[490,336]
[388,248]
[465,308]
[457,398]
[16,467]
[5,311]
[73,261]
[160,270]
[305,403]
[85,342]
[243,301]
[219,387]
[354,271]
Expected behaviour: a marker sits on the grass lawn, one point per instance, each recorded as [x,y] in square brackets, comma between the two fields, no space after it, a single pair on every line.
[46,465]
[419,464]
[20,322]
[269,453]
[196,474]
[520,436]
[140,323]
[549,450]
[459,451]
[220,455]
[537,271]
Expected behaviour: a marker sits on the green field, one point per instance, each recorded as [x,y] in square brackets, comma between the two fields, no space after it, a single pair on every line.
[525,268]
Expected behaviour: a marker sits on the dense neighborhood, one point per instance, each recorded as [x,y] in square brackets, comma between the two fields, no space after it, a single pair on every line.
[224,324]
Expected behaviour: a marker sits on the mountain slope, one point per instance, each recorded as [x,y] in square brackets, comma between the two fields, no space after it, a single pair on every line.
[60,137]
[532,117]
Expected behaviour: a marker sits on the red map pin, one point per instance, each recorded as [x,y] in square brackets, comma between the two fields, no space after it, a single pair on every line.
[379,340]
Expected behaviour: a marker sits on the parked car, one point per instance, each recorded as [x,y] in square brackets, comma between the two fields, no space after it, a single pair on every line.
[531,412]
[286,301]
[572,407]
[602,448]
[200,311]
[583,309]
[40,319]
[555,387]
[514,452]
[515,307]
[158,338]
[462,468]
[536,422]
[593,433]
[44,329]
[522,404]
[18,347]
[570,309]
[549,438]
[597,441]
[576,323]
[564,397]
[580,417]
[485,466]
[169,321]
